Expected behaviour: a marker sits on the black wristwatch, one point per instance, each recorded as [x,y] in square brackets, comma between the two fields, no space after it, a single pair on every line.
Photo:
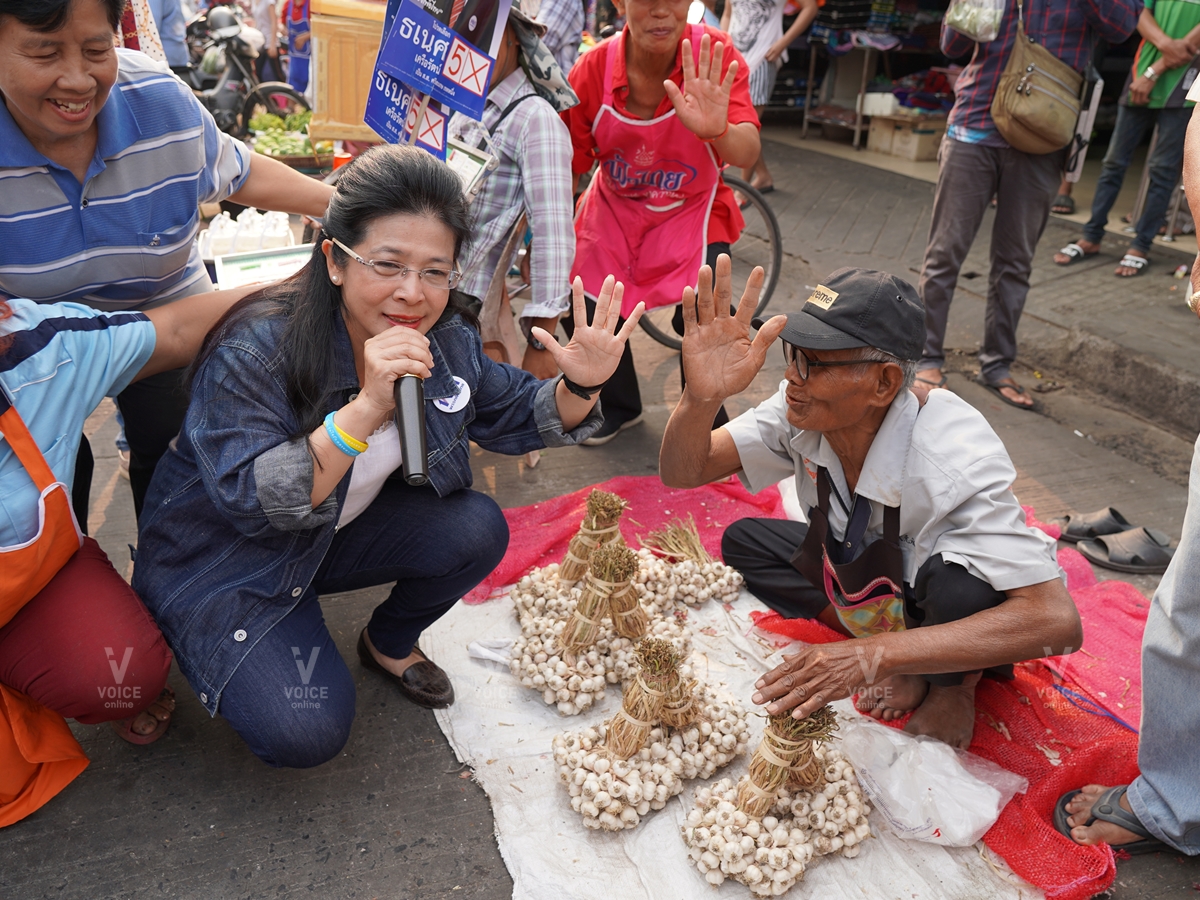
[585,392]
[535,343]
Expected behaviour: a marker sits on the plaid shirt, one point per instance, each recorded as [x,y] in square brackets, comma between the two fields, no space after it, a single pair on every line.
[564,30]
[534,177]
[1064,27]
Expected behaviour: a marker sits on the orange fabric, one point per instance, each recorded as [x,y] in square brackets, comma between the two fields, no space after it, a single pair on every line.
[38,754]
[28,568]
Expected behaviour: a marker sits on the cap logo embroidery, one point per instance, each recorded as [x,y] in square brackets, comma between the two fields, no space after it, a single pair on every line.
[823,297]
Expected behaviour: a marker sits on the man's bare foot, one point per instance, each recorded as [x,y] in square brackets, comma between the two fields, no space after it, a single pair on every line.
[1099,832]
[926,381]
[395,666]
[948,713]
[1013,392]
[159,711]
[893,697]
[1088,247]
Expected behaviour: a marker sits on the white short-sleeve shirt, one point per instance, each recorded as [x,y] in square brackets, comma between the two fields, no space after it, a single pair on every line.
[943,465]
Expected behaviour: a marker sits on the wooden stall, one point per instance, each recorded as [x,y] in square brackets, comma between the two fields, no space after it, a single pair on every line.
[346,36]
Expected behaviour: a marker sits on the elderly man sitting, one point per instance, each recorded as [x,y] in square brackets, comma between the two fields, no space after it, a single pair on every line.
[915,544]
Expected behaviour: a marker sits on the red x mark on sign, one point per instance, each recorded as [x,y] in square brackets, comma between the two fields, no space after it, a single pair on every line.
[431,132]
[466,67]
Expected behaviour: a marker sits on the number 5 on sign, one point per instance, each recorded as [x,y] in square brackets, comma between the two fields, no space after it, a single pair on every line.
[468,68]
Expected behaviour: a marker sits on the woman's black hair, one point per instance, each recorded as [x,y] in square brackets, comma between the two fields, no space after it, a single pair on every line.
[51,15]
[384,181]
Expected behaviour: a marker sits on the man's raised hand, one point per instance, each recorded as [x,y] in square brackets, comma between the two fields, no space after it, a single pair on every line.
[719,357]
[703,104]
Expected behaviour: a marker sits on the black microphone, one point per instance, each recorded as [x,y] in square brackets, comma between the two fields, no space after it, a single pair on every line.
[409,391]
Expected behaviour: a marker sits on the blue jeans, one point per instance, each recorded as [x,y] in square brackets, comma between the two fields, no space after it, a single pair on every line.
[292,698]
[1164,797]
[1165,165]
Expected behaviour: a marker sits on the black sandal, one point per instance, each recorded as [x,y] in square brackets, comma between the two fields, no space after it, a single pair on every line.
[1086,526]
[995,387]
[1139,551]
[1107,808]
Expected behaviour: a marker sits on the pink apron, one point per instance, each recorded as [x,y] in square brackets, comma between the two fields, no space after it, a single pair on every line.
[644,217]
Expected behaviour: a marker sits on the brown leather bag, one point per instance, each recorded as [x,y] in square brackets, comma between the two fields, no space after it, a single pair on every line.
[1037,101]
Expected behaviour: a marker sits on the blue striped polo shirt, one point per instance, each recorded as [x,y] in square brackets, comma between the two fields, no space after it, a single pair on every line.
[125,237]
[63,360]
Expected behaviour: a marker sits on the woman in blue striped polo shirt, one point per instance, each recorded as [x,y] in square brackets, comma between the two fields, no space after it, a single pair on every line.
[105,158]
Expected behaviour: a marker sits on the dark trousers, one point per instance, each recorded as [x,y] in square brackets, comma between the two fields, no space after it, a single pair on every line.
[762,550]
[621,398]
[1165,163]
[292,698]
[969,175]
[153,409]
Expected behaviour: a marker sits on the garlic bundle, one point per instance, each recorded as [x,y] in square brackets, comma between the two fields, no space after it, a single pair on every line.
[769,855]
[642,703]
[601,525]
[613,794]
[544,606]
[608,574]
[786,755]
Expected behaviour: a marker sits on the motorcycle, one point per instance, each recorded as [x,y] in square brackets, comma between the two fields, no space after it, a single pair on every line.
[222,73]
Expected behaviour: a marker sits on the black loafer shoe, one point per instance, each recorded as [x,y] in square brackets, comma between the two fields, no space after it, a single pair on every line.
[424,683]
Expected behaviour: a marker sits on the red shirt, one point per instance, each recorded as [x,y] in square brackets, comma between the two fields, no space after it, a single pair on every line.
[587,78]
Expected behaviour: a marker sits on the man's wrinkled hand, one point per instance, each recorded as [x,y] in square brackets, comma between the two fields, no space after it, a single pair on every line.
[816,675]
[719,357]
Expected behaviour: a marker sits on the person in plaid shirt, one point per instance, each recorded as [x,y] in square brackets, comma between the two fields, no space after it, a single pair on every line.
[975,164]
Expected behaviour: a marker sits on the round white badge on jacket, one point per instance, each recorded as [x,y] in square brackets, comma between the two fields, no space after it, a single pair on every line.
[456,402]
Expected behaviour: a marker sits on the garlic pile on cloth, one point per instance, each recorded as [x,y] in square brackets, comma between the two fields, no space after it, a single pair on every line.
[544,606]
[613,794]
[770,854]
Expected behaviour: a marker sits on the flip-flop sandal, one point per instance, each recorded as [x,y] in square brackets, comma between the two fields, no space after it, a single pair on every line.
[1063,205]
[1074,253]
[1129,261]
[124,727]
[1140,551]
[1076,527]
[933,385]
[769,189]
[995,389]
[1107,808]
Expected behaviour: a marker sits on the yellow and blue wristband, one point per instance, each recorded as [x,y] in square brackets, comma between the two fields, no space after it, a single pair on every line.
[348,444]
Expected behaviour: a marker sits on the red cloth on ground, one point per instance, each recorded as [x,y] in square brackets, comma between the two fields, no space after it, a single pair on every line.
[539,534]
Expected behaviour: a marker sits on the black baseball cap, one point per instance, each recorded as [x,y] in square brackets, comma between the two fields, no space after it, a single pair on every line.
[859,308]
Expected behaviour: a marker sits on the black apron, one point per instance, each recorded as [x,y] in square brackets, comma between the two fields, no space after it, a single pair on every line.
[868,592]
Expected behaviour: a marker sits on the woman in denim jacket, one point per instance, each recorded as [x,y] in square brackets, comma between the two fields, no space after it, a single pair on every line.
[261,506]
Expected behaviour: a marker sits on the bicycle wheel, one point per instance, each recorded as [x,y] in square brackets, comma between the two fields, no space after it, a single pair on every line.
[761,244]
[269,97]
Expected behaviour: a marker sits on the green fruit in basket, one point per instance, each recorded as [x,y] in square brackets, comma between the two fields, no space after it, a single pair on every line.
[266,122]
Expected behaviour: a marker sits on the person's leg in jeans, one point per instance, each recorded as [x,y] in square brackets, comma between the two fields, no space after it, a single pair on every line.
[85,646]
[434,548]
[944,703]
[1165,164]
[1132,122]
[292,698]
[153,409]
[967,179]
[1165,797]
[1025,190]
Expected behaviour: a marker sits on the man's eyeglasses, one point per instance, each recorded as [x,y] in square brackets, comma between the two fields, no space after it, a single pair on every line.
[442,279]
[793,354]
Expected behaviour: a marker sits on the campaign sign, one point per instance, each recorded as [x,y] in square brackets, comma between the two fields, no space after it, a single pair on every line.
[392,112]
[431,57]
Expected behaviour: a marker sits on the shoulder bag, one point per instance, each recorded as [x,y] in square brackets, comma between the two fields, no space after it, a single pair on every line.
[1038,99]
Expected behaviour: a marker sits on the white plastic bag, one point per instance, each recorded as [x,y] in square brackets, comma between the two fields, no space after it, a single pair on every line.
[927,790]
[977,19]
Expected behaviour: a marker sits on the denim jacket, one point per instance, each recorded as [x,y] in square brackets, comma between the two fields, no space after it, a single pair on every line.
[229,539]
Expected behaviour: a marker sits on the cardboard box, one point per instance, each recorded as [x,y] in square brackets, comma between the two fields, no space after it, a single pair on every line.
[909,137]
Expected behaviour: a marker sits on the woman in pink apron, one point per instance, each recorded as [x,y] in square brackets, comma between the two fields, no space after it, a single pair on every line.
[663,105]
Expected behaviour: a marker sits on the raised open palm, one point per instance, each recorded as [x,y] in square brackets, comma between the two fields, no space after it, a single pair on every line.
[719,357]
[592,354]
[703,104]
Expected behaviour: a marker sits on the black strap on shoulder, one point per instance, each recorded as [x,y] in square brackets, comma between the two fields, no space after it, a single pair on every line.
[510,108]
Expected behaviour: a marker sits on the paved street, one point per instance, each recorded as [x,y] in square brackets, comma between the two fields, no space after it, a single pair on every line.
[197,816]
